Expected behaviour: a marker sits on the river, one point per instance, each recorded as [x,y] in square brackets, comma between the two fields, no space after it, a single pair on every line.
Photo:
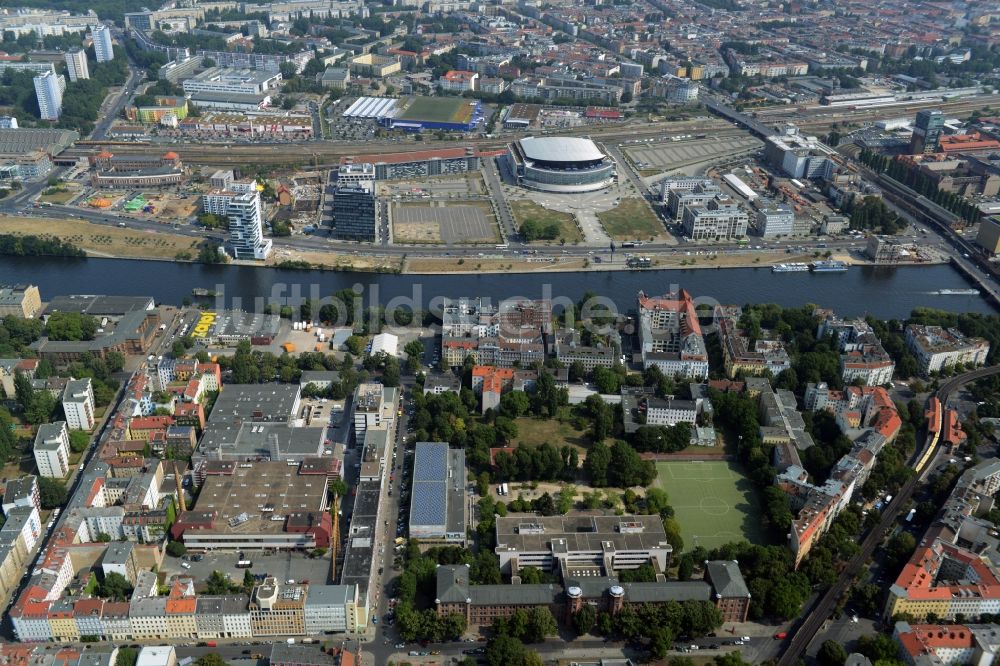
[883,292]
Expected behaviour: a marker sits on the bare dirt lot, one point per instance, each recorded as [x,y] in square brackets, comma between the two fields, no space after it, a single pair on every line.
[336,261]
[101,240]
[468,222]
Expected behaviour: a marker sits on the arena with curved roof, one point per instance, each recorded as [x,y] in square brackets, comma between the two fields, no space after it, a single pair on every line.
[560,164]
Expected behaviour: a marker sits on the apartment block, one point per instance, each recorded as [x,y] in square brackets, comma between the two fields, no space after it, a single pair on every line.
[569,349]
[741,357]
[104,50]
[78,404]
[862,355]
[938,348]
[943,643]
[671,336]
[52,450]
[510,334]
[76,65]
[49,89]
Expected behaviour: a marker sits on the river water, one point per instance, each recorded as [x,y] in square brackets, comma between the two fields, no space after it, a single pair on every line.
[882,292]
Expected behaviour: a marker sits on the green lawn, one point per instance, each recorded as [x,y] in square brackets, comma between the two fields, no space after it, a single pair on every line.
[632,220]
[437,109]
[525,209]
[532,432]
[714,502]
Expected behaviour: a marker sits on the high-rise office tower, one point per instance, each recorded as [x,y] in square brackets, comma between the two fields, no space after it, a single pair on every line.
[927,132]
[355,212]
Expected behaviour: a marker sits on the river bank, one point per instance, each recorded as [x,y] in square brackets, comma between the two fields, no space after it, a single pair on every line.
[101,241]
[883,292]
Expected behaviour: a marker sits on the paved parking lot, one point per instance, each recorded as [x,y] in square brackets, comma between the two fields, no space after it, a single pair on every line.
[681,153]
[281,565]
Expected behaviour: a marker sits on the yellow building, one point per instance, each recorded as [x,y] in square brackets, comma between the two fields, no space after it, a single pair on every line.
[278,610]
[696,72]
[989,235]
[375,66]
[20,300]
[62,621]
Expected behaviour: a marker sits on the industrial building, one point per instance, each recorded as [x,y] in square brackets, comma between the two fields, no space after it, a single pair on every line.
[437,501]
[560,164]
[255,505]
[251,422]
[419,163]
[232,81]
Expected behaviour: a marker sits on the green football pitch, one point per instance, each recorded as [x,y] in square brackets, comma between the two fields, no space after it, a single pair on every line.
[713,502]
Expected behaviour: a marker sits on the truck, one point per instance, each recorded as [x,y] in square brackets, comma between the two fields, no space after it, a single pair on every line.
[888,498]
[909,516]
[504,490]
[211,644]
[290,641]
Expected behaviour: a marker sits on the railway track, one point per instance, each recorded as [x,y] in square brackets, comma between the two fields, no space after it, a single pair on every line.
[810,625]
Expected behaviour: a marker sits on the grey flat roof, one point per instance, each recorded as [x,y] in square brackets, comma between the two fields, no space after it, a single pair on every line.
[329,595]
[253,402]
[99,305]
[560,149]
[26,139]
[257,439]
[532,533]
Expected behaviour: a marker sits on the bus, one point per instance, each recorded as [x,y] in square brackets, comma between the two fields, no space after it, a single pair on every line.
[244,564]
[502,246]
[743,241]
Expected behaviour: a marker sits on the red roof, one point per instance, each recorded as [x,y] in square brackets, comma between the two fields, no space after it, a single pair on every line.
[170,155]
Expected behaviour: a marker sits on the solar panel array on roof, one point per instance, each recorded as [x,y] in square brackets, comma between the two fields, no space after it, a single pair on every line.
[429,498]
[430,461]
[429,504]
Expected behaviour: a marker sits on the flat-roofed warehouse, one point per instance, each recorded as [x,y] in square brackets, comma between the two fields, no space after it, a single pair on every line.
[259,421]
[437,500]
[581,545]
[23,140]
[258,505]
[522,116]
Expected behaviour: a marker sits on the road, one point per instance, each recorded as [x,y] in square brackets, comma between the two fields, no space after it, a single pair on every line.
[811,623]
[494,183]
[72,485]
[315,242]
[120,98]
